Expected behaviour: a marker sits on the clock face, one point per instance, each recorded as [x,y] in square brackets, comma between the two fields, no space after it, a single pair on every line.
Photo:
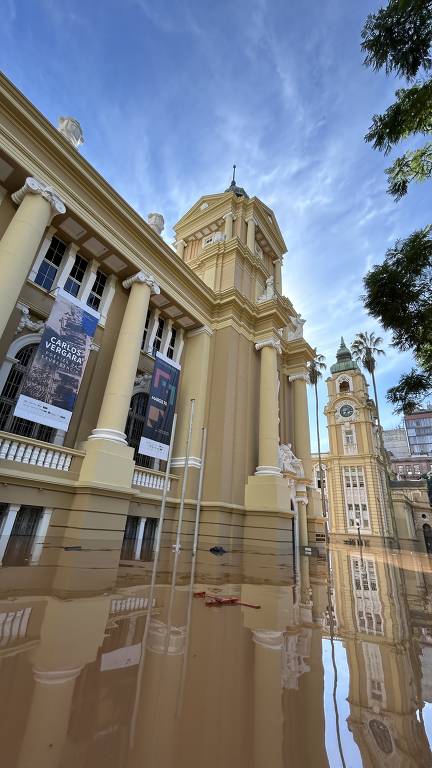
[346,411]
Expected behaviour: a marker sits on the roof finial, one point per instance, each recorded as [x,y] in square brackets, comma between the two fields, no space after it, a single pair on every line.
[234,170]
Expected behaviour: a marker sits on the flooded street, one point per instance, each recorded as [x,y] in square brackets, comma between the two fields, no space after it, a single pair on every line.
[260,662]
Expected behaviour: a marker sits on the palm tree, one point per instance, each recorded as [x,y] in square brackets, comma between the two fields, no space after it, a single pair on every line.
[365,348]
[315,369]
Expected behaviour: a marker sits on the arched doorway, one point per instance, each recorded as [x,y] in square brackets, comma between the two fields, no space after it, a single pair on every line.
[427,533]
[10,394]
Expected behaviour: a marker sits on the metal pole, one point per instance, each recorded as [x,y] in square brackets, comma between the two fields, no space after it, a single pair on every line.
[152,585]
[193,569]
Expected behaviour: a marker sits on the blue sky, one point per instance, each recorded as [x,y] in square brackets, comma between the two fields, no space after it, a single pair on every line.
[170,94]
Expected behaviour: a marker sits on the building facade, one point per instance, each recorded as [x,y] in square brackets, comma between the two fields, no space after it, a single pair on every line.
[361,497]
[214,305]
[419,430]
[396,442]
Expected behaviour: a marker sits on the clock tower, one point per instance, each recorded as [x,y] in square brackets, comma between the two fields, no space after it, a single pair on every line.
[357,493]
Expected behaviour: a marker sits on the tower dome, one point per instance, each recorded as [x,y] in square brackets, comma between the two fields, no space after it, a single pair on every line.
[344,361]
[239,191]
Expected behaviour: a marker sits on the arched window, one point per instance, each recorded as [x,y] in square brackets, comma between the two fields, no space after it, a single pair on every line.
[344,386]
[135,426]
[9,396]
[427,533]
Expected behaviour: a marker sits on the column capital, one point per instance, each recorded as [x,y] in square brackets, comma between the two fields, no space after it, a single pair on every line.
[268,638]
[299,377]
[180,242]
[142,277]
[229,213]
[251,218]
[274,343]
[36,187]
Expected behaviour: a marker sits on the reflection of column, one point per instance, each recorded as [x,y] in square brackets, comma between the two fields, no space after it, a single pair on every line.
[250,236]
[48,720]
[6,527]
[40,534]
[268,722]
[65,267]
[153,326]
[49,234]
[38,203]
[139,538]
[302,518]
[301,422]
[119,388]
[268,457]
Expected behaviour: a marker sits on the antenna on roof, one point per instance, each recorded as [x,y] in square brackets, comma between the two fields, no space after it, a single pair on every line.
[234,170]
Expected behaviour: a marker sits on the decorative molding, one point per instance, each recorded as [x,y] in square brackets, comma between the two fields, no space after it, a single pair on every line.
[56,676]
[267,470]
[297,333]
[156,222]
[198,331]
[142,277]
[142,379]
[36,187]
[26,320]
[269,292]
[268,638]
[70,128]
[299,377]
[180,461]
[108,434]
[274,343]
[302,500]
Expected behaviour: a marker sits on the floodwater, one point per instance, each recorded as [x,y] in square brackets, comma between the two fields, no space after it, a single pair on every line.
[262,660]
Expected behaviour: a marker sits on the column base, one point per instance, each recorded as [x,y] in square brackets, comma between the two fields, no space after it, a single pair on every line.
[107,463]
[108,434]
[267,470]
[268,493]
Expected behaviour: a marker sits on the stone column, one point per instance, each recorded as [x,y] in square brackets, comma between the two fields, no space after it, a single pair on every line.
[278,275]
[302,447]
[302,518]
[180,245]
[108,459]
[193,385]
[268,455]
[38,204]
[120,384]
[250,237]
[229,219]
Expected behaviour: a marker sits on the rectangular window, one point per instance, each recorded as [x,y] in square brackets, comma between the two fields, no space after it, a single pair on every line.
[146,329]
[73,282]
[158,336]
[97,290]
[49,267]
[171,345]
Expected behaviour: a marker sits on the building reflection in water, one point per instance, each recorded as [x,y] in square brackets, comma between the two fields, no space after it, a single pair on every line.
[232,685]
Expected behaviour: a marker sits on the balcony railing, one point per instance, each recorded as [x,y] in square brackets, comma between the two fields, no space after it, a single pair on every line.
[23,450]
[149,478]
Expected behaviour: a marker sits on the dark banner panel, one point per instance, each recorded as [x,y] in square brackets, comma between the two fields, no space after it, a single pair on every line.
[159,416]
[54,378]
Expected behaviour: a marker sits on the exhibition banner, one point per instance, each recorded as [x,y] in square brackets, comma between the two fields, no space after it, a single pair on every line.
[53,380]
[159,415]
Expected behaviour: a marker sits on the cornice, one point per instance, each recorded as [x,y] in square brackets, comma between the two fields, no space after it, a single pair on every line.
[51,158]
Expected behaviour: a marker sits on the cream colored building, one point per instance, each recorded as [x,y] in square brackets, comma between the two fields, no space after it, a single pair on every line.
[214,304]
[360,498]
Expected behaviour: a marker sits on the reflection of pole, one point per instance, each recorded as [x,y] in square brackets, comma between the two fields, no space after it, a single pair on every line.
[179,526]
[193,568]
[335,677]
[185,476]
[152,584]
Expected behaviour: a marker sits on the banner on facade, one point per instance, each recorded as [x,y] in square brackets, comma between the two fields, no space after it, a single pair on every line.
[159,415]
[54,378]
